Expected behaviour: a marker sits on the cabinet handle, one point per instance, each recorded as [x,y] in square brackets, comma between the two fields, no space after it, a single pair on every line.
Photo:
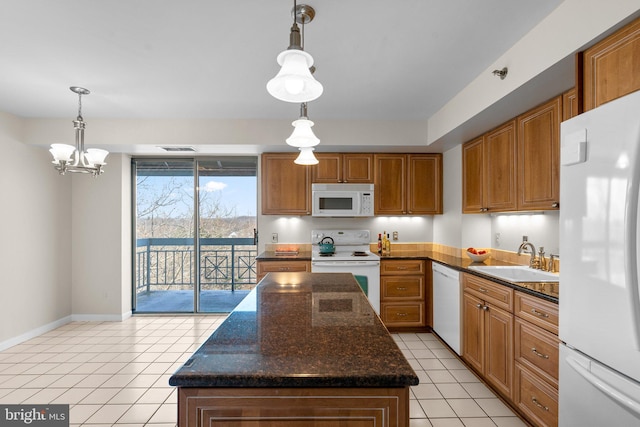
[484,209]
[555,205]
[400,267]
[483,290]
[478,305]
[284,268]
[534,351]
[485,308]
[401,288]
[538,404]
[539,313]
[404,212]
[401,314]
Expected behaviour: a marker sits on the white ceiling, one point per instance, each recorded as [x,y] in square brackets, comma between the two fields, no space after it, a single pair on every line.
[377,59]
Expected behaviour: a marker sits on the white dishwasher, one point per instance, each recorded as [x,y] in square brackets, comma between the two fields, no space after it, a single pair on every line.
[446,305]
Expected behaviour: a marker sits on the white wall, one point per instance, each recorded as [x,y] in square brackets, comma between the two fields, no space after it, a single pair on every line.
[35,254]
[542,230]
[101,242]
[568,29]
[294,229]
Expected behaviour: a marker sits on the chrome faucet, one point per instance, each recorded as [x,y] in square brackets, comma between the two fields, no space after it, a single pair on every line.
[532,251]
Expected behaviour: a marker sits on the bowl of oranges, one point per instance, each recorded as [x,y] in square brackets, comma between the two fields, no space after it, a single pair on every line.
[477,255]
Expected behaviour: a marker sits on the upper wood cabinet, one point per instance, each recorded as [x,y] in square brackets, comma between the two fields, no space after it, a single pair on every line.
[408,184]
[489,171]
[612,67]
[539,157]
[570,104]
[348,167]
[285,188]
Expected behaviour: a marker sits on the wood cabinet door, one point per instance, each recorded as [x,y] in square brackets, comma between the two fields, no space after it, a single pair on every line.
[328,170]
[612,67]
[424,184]
[285,185]
[498,331]
[473,197]
[473,331]
[500,168]
[570,106]
[390,184]
[357,168]
[539,157]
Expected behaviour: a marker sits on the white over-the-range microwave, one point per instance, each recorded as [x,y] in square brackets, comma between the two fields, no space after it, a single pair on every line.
[346,200]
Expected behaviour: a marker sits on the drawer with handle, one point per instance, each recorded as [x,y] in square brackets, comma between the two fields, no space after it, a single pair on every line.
[404,287]
[398,267]
[535,398]
[265,267]
[537,311]
[493,293]
[402,314]
[537,349]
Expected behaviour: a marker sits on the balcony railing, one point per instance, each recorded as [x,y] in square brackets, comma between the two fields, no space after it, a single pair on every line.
[169,264]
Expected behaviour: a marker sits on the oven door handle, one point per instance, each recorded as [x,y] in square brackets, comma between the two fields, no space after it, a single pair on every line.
[344,263]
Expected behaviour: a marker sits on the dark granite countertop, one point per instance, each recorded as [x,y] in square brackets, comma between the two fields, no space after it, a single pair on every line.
[300,330]
[548,291]
[273,256]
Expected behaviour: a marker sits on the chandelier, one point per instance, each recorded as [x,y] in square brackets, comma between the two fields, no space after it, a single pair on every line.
[295,82]
[69,158]
[303,138]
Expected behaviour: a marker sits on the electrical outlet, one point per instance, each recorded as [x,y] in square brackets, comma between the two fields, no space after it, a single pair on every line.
[274,237]
[497,239]
[395,235]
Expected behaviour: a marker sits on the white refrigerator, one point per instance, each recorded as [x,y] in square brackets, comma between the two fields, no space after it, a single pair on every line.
[599,289]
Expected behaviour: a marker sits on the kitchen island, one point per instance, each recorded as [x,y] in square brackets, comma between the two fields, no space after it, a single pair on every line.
[301,349]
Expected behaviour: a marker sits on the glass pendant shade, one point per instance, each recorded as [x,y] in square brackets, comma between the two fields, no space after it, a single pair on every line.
[96,156]
[306,157]
[302,135]
[294,82]
[62,152]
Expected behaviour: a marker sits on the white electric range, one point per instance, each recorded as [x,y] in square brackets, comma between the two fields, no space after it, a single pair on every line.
[351,255]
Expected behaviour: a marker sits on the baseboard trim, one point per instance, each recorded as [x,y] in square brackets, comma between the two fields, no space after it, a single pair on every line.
[61,322]
[34,333]
[100,317]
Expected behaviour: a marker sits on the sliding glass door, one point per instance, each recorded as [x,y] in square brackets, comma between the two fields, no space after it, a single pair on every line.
[195,221]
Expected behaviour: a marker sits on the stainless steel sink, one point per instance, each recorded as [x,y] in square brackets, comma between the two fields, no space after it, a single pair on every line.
[519,273]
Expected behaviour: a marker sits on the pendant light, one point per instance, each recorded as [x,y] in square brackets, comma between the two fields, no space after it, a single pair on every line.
[306,157]
[303,135]
[294,82]
[303,138]
[69,158]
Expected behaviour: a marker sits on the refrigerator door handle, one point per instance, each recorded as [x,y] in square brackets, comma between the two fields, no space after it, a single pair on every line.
[631,243]
[622,399]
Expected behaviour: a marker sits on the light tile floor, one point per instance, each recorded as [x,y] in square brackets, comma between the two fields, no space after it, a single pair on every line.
[449,394]
[118,372]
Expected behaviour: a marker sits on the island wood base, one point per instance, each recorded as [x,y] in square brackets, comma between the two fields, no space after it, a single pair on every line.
[293,407]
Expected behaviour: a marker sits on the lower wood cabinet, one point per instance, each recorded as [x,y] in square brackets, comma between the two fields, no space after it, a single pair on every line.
[403,293]
[488,342]
[510,339]
[294,407]
[536,359]
[265,267]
